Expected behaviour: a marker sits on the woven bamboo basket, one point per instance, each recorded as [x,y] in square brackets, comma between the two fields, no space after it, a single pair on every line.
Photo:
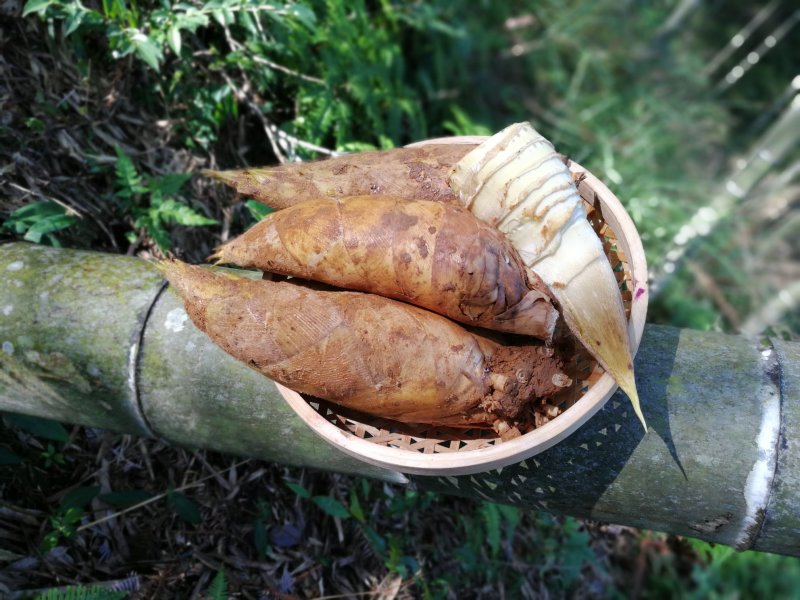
[435,450]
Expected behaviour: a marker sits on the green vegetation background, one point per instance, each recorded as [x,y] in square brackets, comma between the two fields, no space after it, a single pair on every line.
[115,104]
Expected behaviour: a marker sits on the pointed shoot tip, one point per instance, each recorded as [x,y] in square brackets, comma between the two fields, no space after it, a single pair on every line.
[628,385]
[170,268]
[163,266]
[216,258]
[226,177]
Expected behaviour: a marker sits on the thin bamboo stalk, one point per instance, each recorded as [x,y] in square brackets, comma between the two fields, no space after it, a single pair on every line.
[770,149]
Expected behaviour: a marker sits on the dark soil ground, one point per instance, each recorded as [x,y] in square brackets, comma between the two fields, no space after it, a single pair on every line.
[240,516]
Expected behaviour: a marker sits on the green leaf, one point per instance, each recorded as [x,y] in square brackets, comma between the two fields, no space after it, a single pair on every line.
[8,457]
[174,39]
[491,517]
[395,552]
[219,17]
[218,590]
[31,213]
[355,507]
[129,184]
[331,506]
[125,498]
[511,515]
[377,541]
[35,124]
[49,541]
[52,457]
[160,235]
[75,16]
[574,551]
[172,211]
[69,518]
[463,124]
[190,20]
[260,537]
[356,147]
[298,489]
[48,225]
[120,42]
[43,428]
[169,184]
[73,22]
[36,6]
[246,20]
[146,49]
[79,497]
[304,14]
[186,508]
[257,210]
[39,219]
[33,236]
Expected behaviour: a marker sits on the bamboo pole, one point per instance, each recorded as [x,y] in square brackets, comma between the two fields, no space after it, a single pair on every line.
[97,340]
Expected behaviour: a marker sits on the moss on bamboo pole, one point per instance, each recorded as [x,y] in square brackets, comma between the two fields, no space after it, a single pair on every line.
[69,328]
[721,460]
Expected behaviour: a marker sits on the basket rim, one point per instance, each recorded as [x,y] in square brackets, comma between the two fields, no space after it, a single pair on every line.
[531,443]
